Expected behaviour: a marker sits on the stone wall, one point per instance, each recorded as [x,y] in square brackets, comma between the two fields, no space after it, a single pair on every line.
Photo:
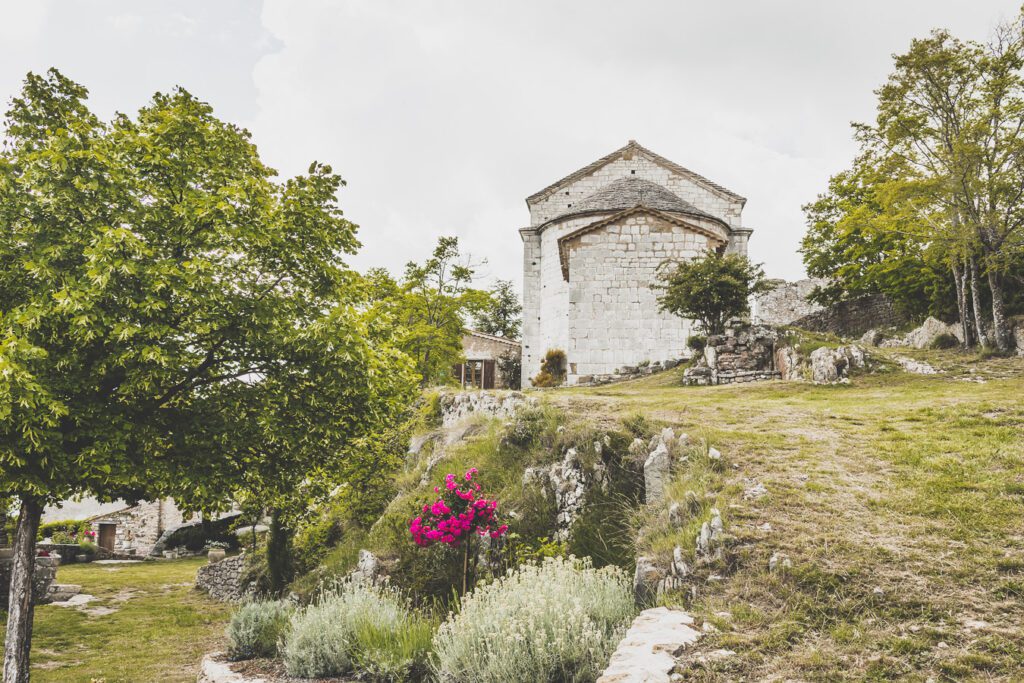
[740,355]
[45,573]
[546,294]
[140,526]
[614,317]
[786,303]
[223,580]
[853,318]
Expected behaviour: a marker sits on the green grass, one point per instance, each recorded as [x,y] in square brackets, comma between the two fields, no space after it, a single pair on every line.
[899,499]
[160,631]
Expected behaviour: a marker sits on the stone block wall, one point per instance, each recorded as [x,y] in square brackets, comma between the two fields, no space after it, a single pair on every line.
[614,318]
[223,580]
[786,303]
[741,355]
[140,526]
[45,573]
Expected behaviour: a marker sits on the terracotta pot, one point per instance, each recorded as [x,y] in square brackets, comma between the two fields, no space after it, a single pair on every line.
[215,555]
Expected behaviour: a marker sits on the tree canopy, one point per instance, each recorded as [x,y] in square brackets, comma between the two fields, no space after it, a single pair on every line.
[710,289]
[173,321]
[932,213]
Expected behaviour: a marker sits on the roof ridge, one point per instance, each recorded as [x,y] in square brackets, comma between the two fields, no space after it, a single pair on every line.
[634,145]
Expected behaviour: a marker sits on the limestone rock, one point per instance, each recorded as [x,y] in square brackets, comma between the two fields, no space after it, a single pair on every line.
[788,363]
[368,566]
[1018,337]
[832,365]
[647,653]
[917,367]
[214,669]
[872,338]
[675,515]
[657,468]
[646,579]
[923,336]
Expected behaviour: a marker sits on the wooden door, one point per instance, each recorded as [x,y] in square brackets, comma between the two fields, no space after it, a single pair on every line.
[488,374]
[107,534]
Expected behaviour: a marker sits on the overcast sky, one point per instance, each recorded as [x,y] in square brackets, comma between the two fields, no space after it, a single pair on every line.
[444,116]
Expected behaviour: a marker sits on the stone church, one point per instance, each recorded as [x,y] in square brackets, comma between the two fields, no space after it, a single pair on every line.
[590,256]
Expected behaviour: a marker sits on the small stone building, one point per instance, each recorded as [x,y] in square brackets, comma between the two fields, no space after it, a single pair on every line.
[482,351]
[592,251]
[135,529]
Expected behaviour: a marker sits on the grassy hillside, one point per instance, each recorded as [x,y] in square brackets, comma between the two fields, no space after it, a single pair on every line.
[898,500]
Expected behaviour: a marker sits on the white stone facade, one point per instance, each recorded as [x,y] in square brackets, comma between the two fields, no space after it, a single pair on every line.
[591,254]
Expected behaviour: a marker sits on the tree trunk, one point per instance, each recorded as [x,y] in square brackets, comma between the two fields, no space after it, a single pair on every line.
[979,321]
[18,642]
[1000,326]
[959,280]
[278,555]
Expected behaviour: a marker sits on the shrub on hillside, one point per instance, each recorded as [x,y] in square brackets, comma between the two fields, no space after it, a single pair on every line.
[945,341]
[557,621]
[256,627]
[357,627]
[697,342]
[552,369]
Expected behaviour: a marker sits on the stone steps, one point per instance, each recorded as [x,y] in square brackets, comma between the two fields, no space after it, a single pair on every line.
[647,654]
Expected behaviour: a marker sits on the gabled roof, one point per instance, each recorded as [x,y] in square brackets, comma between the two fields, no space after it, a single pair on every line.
[563,249]
[631,191]
[635,147]
[490,337]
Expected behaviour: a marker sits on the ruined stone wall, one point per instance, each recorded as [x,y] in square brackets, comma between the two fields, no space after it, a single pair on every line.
[853,318]
[614,318]
[786,303]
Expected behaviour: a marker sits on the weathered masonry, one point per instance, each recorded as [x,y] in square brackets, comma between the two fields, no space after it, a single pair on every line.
[591,254]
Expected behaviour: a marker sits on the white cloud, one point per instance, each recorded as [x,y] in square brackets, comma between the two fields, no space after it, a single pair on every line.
[444,115]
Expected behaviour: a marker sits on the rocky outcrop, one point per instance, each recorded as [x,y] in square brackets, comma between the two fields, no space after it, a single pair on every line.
[223,580]
[918,367]
[459,406]
[929,331]
[647,654]
[567,481]
[830,365]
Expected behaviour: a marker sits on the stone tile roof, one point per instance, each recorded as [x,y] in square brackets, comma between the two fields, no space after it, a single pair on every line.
[632,146]
[563,241]
[632,191]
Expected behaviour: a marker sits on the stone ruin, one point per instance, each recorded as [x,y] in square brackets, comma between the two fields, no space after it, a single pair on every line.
[740,355]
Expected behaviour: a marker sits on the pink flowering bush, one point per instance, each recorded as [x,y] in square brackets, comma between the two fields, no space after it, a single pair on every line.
[460,512]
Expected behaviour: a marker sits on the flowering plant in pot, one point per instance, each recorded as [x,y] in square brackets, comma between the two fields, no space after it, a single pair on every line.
[460,514]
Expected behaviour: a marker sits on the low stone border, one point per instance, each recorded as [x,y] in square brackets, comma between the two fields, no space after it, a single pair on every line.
[214,669]
[648,652]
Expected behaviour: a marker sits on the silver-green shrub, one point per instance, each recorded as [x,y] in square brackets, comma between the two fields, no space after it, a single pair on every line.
[557,621]
[255,628]
[357,627]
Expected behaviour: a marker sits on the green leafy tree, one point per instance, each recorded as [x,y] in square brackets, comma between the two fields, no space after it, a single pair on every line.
[501,314]
[863,247]
[947,145]
[170,317]
[710,289]
[430,306]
